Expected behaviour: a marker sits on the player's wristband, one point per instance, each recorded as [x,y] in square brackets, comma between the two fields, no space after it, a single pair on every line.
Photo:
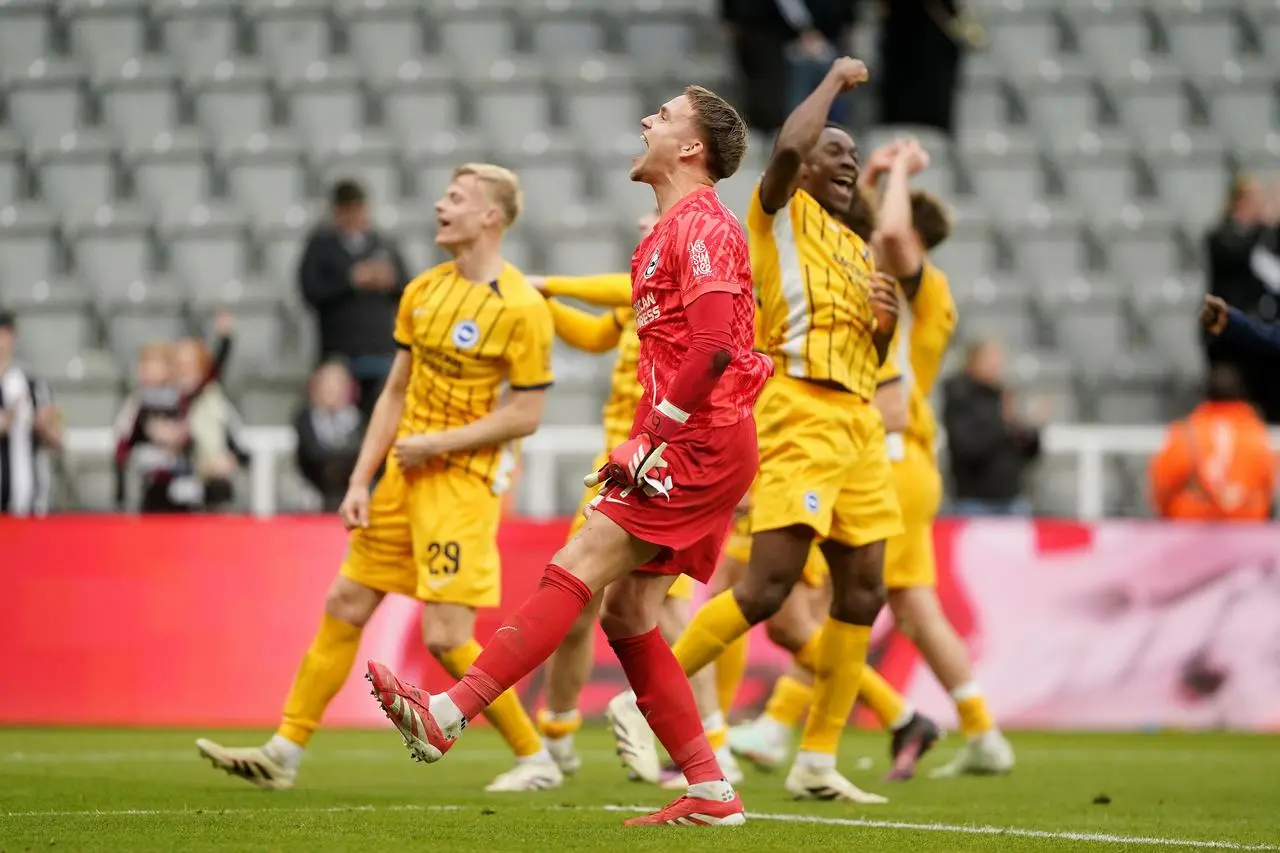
[897,446]
[665,420]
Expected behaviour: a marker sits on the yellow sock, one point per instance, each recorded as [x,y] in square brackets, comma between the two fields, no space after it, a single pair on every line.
[971,707]
[789,701]
[324,668]
[556,726]
[887,704]
[836,678]
[718,738]
[807,657]
[714,627]
[506,713]
[731,668]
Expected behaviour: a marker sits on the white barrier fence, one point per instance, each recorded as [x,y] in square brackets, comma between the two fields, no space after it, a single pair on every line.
[538,484]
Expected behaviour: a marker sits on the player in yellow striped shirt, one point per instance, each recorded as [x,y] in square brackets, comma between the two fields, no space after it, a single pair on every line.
[570,666]
[470,377]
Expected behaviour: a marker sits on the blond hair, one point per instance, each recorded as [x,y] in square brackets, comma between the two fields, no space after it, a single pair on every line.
[501,185]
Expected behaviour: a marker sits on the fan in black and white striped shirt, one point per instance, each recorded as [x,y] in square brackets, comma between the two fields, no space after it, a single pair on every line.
[29,433]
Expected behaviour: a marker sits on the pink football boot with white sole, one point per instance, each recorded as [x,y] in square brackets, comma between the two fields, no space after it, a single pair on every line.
[409,709]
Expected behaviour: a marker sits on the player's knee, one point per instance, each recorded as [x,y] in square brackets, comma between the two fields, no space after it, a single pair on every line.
[762,596]
[623,616]
[446,627]
[785,634]
[351,602]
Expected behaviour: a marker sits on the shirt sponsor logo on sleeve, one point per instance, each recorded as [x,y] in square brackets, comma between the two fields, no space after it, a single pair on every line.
[699,259]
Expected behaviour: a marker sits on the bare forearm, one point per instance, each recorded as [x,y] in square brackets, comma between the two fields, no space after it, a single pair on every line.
[802,128]
[503,424]
[894,226]
[378,437]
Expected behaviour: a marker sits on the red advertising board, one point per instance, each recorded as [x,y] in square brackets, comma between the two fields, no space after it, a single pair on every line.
[202,621]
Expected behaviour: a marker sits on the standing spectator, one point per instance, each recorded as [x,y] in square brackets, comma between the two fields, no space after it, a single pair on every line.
[783,49]
[329,431]
[989,447]
[353,277]
[1243,253]
[922,43]
[30,429]
[211,455]
[1216,465]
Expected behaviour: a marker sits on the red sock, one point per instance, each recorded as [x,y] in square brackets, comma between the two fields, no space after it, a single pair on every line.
[663,694]
[526,639]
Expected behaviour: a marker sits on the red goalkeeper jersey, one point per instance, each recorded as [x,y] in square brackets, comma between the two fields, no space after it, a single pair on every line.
[697,247]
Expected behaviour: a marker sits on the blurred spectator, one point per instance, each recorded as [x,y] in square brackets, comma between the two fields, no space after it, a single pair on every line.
[1244,271]
[329,431]
[989,447]
[1216,464]
[212,453]
[30,430]
[783,49]
[353,277]
[153,428]
[921,46]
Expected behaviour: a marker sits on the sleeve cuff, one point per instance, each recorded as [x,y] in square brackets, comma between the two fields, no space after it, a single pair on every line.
[890,381]
[402,345]
[711,287]
[542,387]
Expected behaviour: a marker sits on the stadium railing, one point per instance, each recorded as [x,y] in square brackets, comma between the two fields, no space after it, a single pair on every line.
[1092,445]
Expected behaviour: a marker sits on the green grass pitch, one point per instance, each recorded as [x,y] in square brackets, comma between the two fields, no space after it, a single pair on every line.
[125,790]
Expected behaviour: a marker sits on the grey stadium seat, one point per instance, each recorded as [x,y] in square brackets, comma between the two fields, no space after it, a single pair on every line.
[1135,391]
[601,113]
[1090,323]
[475,41]
[140,104]
[265,181]
[550,187]
[968,253]
[88,393]
[12,177]
[234,103]
[1243,102]
[262,339]
[106,35]
[199,34]
[282,246]
[56,323]
[207,254]
[327,107]
[1147,249]
[1099,183]
[24,38]
[1201,40]
[294,36]
[658,46]
[1190,180]
[1113,39]
[627,198]
[995,309]
[1154,107]
[79,177]
[47,103]
[375,163]
[28,245]
[984,105]
[172,180]
[567,39]
[1166,308]
[1054,487]
[1024,41]
[1043,247]
[411,109]
[386,37]
[1048,375]
[152,312]
[113,255]
[1009,181]
[512,109]
[587,252]
[1062,103]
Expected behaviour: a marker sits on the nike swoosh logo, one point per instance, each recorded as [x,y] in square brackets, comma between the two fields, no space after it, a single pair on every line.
[615,500]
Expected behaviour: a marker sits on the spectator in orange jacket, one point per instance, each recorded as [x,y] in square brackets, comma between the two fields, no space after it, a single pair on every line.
[1216,464]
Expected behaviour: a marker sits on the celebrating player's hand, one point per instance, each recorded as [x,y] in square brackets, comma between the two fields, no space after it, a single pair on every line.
[354,509]
[413,451]
[1213,314]
[884,302]
[637,463]
[848,72]
[224,323]
[912,156]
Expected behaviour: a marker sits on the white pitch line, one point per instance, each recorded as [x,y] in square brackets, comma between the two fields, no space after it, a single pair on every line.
[958,829]
[390,754]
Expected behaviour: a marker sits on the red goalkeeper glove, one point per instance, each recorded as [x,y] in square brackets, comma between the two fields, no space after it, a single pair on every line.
[638,463]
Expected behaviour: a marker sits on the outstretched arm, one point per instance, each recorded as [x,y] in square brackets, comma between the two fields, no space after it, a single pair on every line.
[612,290]
[801,131]
[1258,335]
[585,331]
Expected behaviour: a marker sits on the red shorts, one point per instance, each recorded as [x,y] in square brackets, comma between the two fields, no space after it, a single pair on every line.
[710,470]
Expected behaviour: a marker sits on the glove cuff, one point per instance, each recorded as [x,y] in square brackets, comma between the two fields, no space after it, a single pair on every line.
[665,420]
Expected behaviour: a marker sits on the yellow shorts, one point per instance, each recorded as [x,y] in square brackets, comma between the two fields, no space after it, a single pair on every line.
[738,548]
[909,560]
[432,535]
[682,588]
[823,464]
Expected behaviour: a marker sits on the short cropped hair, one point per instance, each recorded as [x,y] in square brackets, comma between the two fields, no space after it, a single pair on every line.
[346,193]
[931,218]
[502,186]
[723,131]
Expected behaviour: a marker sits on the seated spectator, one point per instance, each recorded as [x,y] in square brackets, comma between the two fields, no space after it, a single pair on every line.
[989,446]
[212,454]
[30,431]
[1216,464]
[330,428]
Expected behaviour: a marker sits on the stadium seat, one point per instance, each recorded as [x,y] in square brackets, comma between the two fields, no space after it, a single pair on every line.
[1048,245]
[1166,308]
[79,176]
[281,245]
[603,113]
[263,338]
[586,252]
[1089,322]
[658,46]
[293,36]
[1241,100]
[326,106]
[24,37]
[265,179]
[1062,100]
[1023,41]
[1146,248]
[209,250]
[172,179]
[984,105]
[151,312]
[508,110]
[56,323]
[139,103]
[46,102]
[1193,176]
[1153,104]
[88,395]
[968,252]
[374,162]
[476,41]
[1007,175]
[567,39]
[385,37]
[111,255]
[995,309]
[1135,391]
[199,34]
[550,187]
[105,35]
[1099,181]
[233,103]
[1201,40]
[1055,487]
[12,169]
[409,109]
[1112,39]
[29,249]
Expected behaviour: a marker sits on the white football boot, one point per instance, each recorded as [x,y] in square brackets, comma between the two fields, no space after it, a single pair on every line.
[254,764]
[634,738]
[989,754]
[564,753]
[530,774]
[808,782]
[762,744]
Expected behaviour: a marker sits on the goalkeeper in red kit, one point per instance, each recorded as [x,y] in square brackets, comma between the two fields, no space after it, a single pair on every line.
[669,491]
